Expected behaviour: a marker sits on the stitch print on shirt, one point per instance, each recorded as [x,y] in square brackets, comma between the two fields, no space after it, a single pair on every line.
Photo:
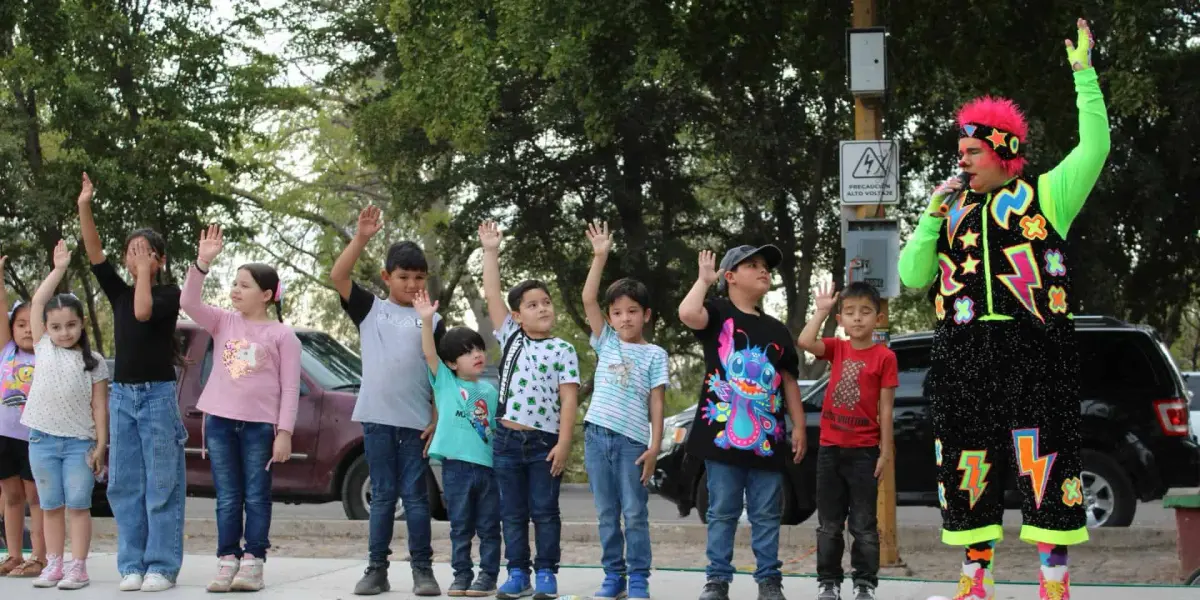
[240,358]
[747,398]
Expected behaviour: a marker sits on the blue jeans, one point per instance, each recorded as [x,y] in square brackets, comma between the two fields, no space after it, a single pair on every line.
[528,492]
[60,468]
[616,482]
[239,452]
[396,462]
[727,485]
[473,499]
[146,477]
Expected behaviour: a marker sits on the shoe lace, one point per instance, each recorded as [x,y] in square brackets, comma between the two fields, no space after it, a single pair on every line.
[1054,590]
[77,570]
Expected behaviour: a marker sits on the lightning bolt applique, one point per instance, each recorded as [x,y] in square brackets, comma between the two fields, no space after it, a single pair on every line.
[956,214]
[1025,278]
[1006,203]
[949,286]
[975,468]
[1025,444]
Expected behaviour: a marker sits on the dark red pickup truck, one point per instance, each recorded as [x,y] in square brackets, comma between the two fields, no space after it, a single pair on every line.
[327,461]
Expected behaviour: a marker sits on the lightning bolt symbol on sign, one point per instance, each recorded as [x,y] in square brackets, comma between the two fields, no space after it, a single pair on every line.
[1025,444]
[975,467]
[1025,278]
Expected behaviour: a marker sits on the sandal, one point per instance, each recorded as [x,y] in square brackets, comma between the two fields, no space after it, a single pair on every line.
[30,568]
[10,563]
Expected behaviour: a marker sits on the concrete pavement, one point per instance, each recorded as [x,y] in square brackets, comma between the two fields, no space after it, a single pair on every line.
[323,579]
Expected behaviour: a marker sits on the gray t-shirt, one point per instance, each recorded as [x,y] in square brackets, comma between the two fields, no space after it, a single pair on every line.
[395,381]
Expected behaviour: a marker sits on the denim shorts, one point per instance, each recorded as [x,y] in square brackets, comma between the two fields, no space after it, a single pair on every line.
[60,469]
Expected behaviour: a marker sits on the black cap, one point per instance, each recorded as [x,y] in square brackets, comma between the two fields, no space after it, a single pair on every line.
[740,254]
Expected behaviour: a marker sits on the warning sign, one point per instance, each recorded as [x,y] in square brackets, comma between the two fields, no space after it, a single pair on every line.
[870,172]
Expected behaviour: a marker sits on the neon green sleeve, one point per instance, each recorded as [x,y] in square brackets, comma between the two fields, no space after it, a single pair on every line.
[1065,188]
[918,259]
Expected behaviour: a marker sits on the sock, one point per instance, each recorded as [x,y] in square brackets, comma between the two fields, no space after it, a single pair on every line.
[1054,561]
[981,554]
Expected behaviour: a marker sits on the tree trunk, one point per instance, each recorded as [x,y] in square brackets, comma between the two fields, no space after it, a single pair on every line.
[479,308]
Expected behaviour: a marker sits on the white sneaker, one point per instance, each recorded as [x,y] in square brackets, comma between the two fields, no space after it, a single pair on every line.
[227,569]
[157,583]
[249,576]
[131,583]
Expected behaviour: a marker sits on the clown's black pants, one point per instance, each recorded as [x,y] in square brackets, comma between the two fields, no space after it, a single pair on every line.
[1005,400]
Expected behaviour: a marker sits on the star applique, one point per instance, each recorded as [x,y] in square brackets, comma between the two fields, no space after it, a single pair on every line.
[970,265]
[970,239]
[997,138]
[1033,228]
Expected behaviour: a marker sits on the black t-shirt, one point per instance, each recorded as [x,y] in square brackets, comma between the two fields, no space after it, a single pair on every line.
[740,418]
[146,351]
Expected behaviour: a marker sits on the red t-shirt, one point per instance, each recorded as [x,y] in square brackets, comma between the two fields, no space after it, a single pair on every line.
[850,417]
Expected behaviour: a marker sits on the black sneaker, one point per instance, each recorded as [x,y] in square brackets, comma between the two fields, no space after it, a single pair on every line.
[771,589]
[863,591]
[829,591]
[484,586]
[374,581]
[715,590]
[424,583]
[462,582]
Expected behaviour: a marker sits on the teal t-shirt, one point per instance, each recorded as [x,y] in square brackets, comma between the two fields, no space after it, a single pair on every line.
[466,418]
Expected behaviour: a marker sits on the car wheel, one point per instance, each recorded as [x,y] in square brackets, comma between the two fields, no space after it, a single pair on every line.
[1194,579]
[356,491]
[1107,491]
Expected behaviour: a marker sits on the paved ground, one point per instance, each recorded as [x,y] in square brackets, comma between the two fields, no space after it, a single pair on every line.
[306,579]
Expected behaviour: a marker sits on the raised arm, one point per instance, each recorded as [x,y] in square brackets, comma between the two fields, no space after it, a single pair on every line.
[1066,187]
[191,299]
[691,310]
[427,312]
[370,221]
[45,291]
[87,223]
[601,245]
[144,261]
[489,238]
[810,336]
[5,326]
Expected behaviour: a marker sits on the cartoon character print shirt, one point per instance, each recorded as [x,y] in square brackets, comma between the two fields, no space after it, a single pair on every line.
[850,415]
[466,418]
[530,373]
[740,418]
[16,377]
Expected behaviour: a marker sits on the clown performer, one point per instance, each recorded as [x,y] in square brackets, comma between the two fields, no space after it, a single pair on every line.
[1003,383]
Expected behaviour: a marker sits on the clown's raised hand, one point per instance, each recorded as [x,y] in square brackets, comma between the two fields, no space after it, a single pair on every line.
[1079,54]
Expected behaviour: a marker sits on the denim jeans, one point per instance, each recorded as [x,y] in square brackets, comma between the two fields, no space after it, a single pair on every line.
[762,491]
[528,492]
[616,482]
[846,485]
[238,452]
[397,465]
[473,499]
[61,471]
[146,477]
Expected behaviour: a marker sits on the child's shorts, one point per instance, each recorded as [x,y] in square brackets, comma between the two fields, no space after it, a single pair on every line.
[61,471]
[14,458]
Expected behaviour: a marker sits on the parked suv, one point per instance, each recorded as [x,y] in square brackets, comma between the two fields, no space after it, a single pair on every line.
[327,462]
[1136,436]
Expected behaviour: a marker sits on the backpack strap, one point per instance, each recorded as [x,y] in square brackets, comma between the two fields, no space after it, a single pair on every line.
[508,359]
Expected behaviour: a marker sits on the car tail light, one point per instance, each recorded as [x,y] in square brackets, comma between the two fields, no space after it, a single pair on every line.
[1172,416]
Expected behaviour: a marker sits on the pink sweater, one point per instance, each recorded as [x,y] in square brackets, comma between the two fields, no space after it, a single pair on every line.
[256,364]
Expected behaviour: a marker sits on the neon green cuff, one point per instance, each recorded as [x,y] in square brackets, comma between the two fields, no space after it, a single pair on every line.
[1035,535]
[972,536]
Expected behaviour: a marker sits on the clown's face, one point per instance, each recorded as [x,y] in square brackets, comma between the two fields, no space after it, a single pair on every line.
[984,165]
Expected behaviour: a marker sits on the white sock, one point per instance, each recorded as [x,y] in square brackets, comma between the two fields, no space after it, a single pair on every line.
[1058,573]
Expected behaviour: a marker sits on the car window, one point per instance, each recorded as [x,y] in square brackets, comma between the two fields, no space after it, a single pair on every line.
[1192,381]
[814,396]
[332,365]
[1115,361]
[912,363]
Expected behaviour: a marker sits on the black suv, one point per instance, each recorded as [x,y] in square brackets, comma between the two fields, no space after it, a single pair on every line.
[1136,437]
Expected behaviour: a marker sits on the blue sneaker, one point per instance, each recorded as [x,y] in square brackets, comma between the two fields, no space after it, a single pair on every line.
[639,587]
[547,586]
[517,585]
[613,588]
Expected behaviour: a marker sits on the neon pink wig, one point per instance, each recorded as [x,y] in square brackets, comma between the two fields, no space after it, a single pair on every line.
[1000,113]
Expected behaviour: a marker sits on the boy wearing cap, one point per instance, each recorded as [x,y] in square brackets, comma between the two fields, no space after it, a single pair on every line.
[751,364]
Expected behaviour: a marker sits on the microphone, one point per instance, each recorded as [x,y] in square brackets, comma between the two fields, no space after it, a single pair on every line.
[964,180]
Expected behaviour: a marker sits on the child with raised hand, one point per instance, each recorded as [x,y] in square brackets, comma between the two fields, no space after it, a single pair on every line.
[463,443]
[539,386]
[624,422]
[146,478]
[16,479]
[249,405]
[67,417]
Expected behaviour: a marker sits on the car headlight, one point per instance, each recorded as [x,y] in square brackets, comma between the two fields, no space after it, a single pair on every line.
[673,436]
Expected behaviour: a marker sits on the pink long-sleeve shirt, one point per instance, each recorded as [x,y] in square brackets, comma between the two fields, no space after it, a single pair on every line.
[256,364]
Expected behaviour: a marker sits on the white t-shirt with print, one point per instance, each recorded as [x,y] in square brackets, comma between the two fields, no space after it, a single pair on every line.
[530,374]
[60,399]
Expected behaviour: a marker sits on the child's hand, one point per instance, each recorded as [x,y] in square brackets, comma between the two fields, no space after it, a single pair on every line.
[558,458]
[95,460]
[425,310]
[489,235]
[601,240]
[370,221]
[648,460]
[211,242]
[427,435]
[884,458]
[282,450]
[708,267]
[799,444]
[86,191]
[825,297]
[62,256]
[142,257]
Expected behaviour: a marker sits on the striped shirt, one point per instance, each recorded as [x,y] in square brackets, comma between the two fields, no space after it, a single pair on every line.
[625,374]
